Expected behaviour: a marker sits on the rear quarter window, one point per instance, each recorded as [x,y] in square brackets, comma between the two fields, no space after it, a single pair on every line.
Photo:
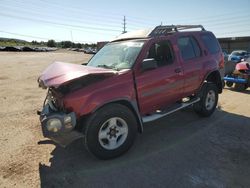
[211,43]
[189,47]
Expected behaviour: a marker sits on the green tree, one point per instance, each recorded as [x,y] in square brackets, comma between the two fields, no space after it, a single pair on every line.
[66,44]
[34,42]
[51,43]
[78,45]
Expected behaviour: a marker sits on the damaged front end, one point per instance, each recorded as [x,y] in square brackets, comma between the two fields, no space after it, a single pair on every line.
[58,121]
[56,124]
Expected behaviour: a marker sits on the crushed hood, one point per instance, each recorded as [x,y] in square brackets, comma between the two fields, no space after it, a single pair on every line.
[59,73]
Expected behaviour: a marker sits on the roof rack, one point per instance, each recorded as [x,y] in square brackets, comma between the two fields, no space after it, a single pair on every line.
[166,29]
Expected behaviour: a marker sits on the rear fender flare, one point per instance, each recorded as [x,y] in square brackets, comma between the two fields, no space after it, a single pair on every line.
[213,76]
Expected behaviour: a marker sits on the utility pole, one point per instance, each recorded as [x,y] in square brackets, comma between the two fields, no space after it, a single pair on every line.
[71,35]
[124,25]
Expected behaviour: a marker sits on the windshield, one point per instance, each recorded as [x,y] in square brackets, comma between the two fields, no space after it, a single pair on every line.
[118,55]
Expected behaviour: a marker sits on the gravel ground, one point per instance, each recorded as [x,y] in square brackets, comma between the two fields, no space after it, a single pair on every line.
[180,150]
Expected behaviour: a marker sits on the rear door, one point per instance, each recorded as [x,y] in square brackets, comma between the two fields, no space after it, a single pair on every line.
[213,52]
[190,54]
[161,86]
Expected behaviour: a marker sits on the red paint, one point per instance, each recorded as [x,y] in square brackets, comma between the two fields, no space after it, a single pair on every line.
[88,99]
[59,73]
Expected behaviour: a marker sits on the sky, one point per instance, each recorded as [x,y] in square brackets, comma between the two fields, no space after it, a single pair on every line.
[98,20]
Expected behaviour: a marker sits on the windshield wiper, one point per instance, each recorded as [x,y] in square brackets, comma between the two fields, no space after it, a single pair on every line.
[107,66]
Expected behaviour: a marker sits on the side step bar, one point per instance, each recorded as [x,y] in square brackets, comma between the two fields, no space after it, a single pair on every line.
[169,110]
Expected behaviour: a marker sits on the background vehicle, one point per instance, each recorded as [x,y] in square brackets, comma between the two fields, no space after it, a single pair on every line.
[90,51]
[137,78]
[237,55]
[240,77]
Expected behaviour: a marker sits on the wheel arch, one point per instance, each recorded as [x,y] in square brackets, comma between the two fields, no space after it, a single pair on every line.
[215,77]
[132,105]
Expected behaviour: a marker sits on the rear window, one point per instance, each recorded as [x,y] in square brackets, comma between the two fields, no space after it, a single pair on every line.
[211,43]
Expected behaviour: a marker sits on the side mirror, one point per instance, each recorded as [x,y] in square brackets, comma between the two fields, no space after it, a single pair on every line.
[149,64]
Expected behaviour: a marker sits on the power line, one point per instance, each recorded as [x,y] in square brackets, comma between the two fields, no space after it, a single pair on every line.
[227,20]
[131,23]
[131,20]
[60,24]
[147,23]
[137,19]
[62,9]
[235,32]
[201,20]
[38,13]
[81,10]
[24,35]
[36,37]
[229,25]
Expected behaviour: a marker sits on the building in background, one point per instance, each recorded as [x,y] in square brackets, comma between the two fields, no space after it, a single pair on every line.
[235,43]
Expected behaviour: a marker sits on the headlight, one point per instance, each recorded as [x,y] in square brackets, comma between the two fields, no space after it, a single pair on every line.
[54,125]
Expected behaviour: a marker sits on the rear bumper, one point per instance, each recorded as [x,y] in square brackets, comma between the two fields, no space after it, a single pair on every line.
[58,126]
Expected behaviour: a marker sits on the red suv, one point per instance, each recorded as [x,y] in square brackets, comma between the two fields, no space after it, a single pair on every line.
[139,77]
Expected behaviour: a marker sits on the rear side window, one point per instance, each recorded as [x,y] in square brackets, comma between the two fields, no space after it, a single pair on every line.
[189,48]
[211,43]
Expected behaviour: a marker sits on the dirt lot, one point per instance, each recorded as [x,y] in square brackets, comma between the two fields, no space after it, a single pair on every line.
[181,150]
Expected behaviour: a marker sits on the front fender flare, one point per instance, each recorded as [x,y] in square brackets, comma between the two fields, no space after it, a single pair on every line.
[132,105]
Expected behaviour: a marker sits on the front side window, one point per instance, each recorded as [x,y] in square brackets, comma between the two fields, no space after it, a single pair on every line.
[189,48]
[117,55]
[161,52]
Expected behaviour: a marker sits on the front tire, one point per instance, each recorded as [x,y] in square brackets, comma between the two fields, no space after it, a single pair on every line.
[208,100]
[110,131]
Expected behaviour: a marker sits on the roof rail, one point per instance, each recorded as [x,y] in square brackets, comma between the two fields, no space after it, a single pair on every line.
[166,29]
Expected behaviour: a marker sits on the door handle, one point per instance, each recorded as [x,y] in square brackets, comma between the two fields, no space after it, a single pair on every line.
[178,70]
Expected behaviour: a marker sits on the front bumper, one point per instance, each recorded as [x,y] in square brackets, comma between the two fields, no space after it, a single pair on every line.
[59,126]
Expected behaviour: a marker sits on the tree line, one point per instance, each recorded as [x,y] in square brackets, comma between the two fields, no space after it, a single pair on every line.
[68,44]
[49,43]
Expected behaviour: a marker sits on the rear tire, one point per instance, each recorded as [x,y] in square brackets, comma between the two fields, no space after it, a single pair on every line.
[110,131]
[229,84]
[208,100]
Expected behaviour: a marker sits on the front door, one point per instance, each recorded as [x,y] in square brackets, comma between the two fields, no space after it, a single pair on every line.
[162,86]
